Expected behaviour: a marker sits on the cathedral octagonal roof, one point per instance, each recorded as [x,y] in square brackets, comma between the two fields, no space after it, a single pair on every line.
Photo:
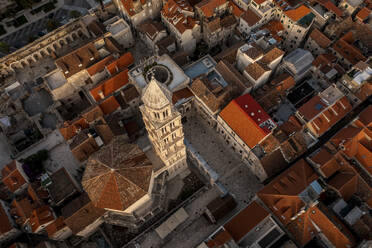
[117,176]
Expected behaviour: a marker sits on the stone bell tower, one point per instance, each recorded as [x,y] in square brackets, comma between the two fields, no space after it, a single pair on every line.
[163,124]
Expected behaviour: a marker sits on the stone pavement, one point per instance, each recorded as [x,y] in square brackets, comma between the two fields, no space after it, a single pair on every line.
[234,175]
[4,152]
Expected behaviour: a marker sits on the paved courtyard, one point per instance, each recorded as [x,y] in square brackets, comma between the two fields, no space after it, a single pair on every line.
[234,175]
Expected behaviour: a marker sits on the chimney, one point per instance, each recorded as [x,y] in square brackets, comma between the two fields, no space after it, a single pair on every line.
[100,93]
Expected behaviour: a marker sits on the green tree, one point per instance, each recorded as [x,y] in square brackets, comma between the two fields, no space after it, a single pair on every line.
[75,14]
[35,161]
[52,24]
[4,47]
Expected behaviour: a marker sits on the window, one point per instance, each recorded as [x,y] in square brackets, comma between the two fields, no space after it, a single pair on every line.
[156,115]
[288,26]
[296,37]
[174,135]
[166,140]
[163,130]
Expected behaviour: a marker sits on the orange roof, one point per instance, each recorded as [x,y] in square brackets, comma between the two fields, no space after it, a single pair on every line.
[345,48]
[55,226]
[111,85]
[69,131]
[327,162]
[282,194]
[219,239]
[121,63]
[181,94]
[6,225]
[99,66]
[209,6]
[128,5]
[246,118]
[12,177]
[236,10]
[247,219]
[363,14]
[251,17]
[330,116]
[109,105]
[274,28]
[41,216]
[320,38]
[297,14]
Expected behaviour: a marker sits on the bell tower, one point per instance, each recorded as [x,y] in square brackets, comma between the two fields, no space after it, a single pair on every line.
[164,127]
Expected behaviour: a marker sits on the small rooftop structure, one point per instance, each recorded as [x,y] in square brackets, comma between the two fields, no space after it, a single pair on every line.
[298,63]
[164,69]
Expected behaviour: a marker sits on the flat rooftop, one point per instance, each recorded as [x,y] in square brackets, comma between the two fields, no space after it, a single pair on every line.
[179,78]
[200,67]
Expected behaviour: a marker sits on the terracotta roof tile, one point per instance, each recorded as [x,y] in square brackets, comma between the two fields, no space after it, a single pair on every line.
[78,60]
[247,219]
[151,29]
[219,239]
[272,55]
[12,177]
[250,17]
[6,224]
[320,38]
[80,213]
[100,65]
[330,6]
[111,85]
[130,93]
[297,14]
[208,6]
[363,14]
[184,93]
[256,70]
[347,50]
[275,28]
[109,105]
[246,117]
[238,12]
[57,225]
[121,63]
[123,172]
[41,216]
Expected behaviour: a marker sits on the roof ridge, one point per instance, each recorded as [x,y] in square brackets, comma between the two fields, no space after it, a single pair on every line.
[125,178]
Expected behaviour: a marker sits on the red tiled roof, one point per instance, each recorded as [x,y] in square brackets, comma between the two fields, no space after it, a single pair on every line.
[296,14]
[109,105]
[242,223]
[330,6]
[320,38]
[219,239]
[330,116]
[12,177]
[57,225]
[111,85]
[208,6]
[250,17]
[181,94]
[274,28]
[121,63]
[70,130]
[40,216]
[245,117]
[344,47]
[118,175]
[237,12]
[99,66]
[6,225]
[363,14]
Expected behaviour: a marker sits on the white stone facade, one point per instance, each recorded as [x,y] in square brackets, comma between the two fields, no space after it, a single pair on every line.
[163,123]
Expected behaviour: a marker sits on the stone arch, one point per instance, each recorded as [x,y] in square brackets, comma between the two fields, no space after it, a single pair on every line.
[43,53]
[23,63]
[49,50]
[68,39]
[36,57]
[61,42]
[74,36]
[55,46]
[29,61]
[80,33]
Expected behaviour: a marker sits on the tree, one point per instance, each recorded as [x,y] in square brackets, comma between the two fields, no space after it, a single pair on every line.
[35,161]
[75,14]
[4,47]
